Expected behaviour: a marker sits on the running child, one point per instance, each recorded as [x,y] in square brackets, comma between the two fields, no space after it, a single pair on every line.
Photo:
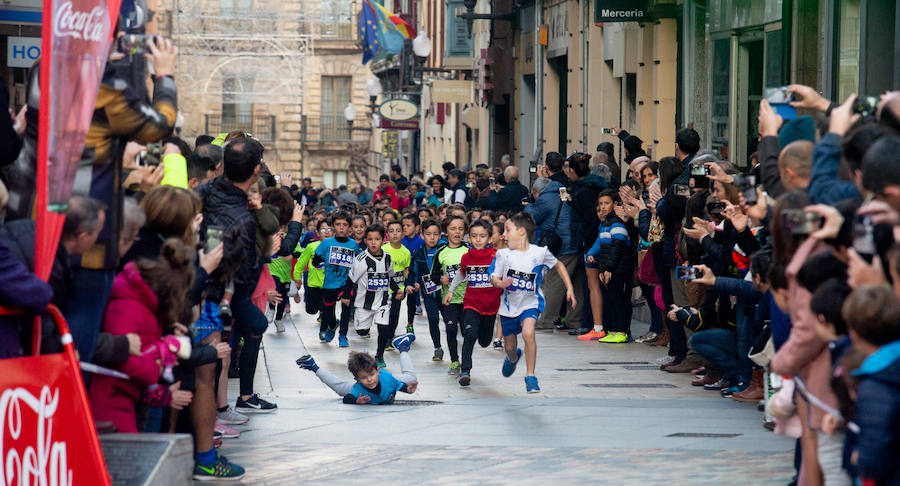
[412,241]
[372,386]
[419,278]
[446,264]
[336,255]
[314,276]
[400,259]
[358,233]
[519,270]
[499,242]
[482,300]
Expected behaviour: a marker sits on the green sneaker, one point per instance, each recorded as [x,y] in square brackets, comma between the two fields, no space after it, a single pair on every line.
[389,348]
[221,469]
[614,337]
[410,329]
[380,363]
[454,368]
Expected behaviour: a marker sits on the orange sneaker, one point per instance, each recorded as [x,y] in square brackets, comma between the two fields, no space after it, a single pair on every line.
[592,336]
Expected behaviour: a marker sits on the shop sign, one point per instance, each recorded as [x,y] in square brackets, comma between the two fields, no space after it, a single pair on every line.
[558,44]
[398,110]
[21,52]
[389,142]
[451,91]
[621,11]
[399,125]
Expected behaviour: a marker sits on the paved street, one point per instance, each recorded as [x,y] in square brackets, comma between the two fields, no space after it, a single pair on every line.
[605,415]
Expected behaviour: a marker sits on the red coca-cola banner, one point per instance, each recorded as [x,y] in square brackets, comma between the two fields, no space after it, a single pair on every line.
[76,36]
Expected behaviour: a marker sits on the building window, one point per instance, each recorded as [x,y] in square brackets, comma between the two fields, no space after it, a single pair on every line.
[333,179]
[337,19]
[237,110]
[720,94]
[335,96]
[232,7]
[848,49]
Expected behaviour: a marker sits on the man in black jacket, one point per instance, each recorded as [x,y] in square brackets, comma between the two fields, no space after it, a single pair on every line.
[225,205]
[555,162]
[509,199]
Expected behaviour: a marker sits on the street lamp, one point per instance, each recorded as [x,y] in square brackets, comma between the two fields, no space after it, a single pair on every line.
[373,87]
[422,44]
[349,114]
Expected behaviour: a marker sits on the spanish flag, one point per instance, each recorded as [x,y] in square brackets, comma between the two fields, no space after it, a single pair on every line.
[401,25]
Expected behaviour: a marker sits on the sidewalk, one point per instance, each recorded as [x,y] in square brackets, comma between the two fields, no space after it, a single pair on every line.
[605,414]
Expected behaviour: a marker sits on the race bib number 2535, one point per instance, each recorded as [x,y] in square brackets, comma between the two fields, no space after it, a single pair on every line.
[478,277]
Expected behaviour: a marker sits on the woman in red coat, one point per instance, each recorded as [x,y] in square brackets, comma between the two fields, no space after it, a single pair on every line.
[147,297]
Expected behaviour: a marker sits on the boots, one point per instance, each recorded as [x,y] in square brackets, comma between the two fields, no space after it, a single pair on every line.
[662,339]
[754,392]
[711,376]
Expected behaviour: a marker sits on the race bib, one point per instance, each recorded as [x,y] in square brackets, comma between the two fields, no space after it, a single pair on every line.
[451,270]
[340,256]
[377,282]
[522,281]
[478,277]
[399,279]
[430,286]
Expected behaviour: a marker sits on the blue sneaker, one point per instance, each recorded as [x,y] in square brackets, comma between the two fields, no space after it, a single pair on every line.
[307,363]
[343,342]
[464,378]
[380,363]
[740,386]
[531,385]
[509,367]
[329,335]
[402,343]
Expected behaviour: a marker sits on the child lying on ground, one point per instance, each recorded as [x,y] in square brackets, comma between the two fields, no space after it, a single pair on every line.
[372,386]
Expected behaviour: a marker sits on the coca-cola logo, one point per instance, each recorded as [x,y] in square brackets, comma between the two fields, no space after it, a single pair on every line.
[42,461]
[90,26]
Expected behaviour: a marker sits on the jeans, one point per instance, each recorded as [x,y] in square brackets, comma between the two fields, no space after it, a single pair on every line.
[249,323]
[719,346]
[84,308]
[677,337]
[476,327]
[432,311]
[747,332]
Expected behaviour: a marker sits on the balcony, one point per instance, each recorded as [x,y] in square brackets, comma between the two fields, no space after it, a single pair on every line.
[337,31]
[262,127]
[334,128]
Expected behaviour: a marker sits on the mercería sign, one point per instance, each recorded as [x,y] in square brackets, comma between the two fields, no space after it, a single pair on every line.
[620,11]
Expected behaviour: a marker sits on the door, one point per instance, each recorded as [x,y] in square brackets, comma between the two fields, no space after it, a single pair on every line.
[526,122]
[747,81]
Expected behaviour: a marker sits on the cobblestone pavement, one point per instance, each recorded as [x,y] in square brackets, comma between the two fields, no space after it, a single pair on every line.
[605,415]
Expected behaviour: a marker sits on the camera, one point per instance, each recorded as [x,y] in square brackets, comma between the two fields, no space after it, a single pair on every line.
[864,236]
[134,44]
[747,185]
[699,172]
[686,273]
[682,190]
[866,106]
[800,222]
[715,207]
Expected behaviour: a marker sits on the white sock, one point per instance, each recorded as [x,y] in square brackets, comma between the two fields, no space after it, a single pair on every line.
[598,328]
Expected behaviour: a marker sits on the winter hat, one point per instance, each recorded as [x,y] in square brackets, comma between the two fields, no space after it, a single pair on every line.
[801,128]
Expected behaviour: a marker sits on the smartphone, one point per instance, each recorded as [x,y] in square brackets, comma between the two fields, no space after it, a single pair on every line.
[134,44]
[563,193]
[533,169]
[699,173]
[715,207]
[687,273]
[800,222]
[609,131]
[779,98]
[682,190]
[864,236]
[213,238]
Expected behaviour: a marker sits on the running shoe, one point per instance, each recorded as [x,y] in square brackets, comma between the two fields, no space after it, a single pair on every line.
[403,342]
[321,336]
[410,329]
[226,431]
[380,363]
[454,368]
[438,355]
[307,362]
[665,360]
[560,323]
[509,367]
[389,348]
[464,378]
[279,325]
[418,310]
[531,384]
[738,387]
[329,335]
[614,337]
[498,344]
[230,417]
[270,314]
[646,337]
[593,335]
[343,342]
[220,470]
[254,404]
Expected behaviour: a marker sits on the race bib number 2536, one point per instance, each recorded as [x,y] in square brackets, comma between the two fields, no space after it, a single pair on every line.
[522,281]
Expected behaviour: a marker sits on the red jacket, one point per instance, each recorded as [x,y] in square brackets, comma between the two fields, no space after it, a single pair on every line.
[481,296]
[390,192]
[132,308]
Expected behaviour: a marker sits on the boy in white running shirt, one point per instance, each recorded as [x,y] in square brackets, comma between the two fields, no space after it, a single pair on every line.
[519,270]
[372,273]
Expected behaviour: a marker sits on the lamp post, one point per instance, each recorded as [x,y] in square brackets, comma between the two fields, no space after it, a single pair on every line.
[373,87]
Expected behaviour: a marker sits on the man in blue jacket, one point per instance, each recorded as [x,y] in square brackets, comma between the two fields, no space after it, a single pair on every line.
[547,204]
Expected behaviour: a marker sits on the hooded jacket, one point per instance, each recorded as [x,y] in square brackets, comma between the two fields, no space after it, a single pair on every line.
[225,206]
[584,204]
[132,308]
[544,213]
[878,416]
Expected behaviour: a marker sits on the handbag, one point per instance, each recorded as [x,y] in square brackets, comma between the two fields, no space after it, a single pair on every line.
[646,271]
[549,238]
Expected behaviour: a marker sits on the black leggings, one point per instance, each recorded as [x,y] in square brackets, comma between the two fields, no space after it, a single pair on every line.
[346,313]
[313,298]
[282,289]
[476,327]
[394,316]
[452,317]
[385,335]
[411,303]
[329,301]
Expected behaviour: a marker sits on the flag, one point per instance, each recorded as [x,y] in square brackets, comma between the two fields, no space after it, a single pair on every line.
[401,25]
[368,33]
[390,39]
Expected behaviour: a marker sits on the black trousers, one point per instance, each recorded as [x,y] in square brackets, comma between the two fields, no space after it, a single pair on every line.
[476,327]
[329,301]
[282,289]
[313,300]
[452,317]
